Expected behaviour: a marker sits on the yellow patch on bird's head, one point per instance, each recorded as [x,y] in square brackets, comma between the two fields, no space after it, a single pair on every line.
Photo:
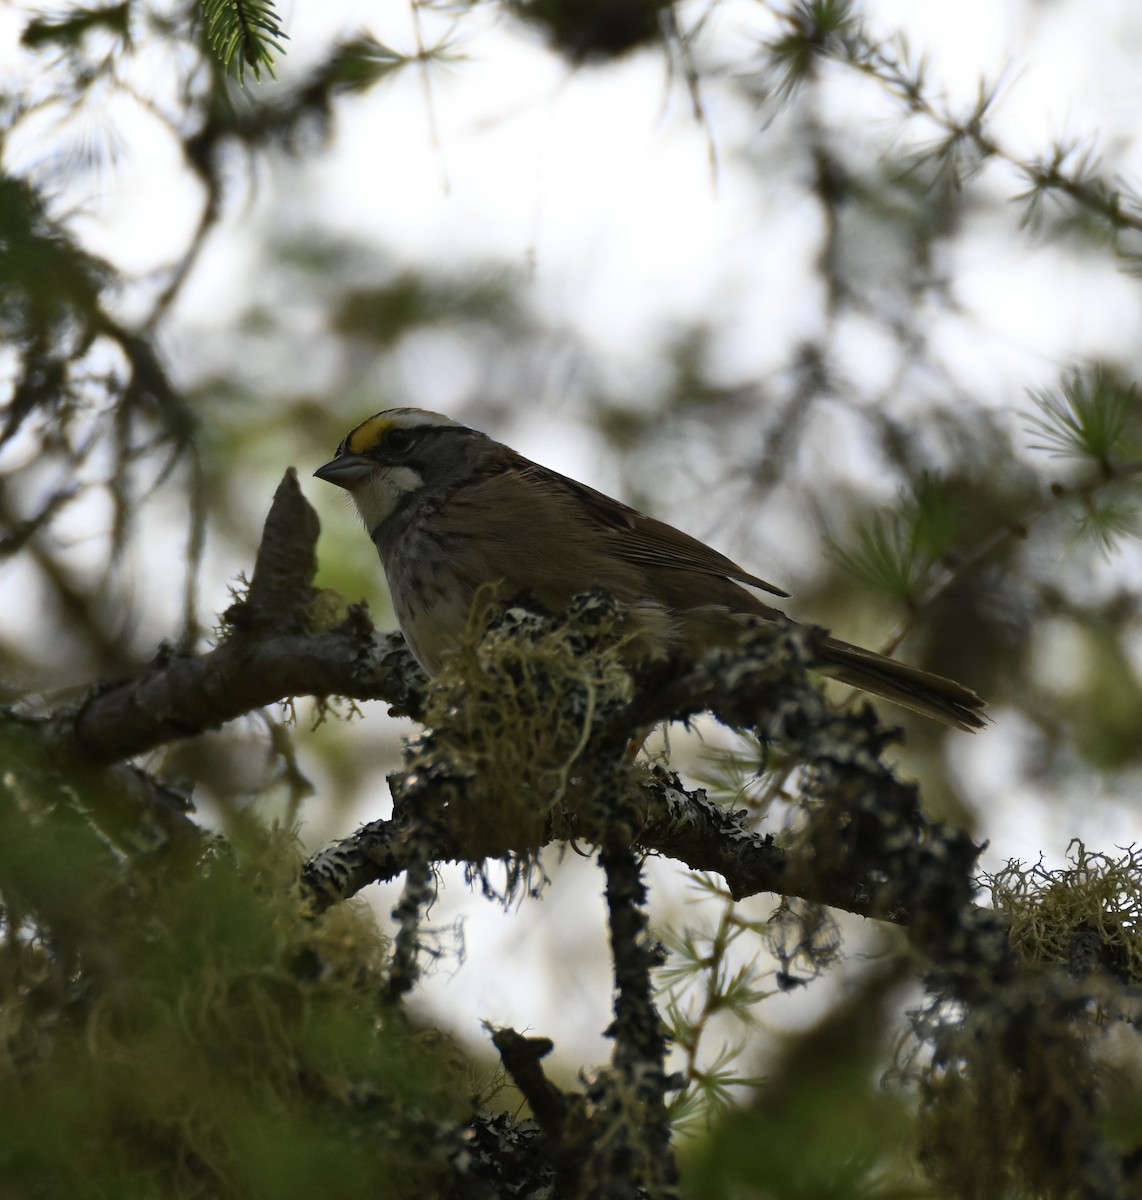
[369,433]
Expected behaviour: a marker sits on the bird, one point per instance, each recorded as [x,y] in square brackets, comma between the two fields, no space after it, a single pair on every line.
[452,512]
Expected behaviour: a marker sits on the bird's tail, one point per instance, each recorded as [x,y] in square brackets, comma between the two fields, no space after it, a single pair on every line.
[921,691]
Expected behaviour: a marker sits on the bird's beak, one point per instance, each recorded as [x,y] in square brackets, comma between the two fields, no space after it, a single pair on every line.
[347,470]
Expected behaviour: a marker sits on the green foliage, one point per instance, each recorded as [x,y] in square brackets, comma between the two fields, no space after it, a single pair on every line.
[50,295]
[243,33]
[886,556]
[1068,180]
[1093,416]
[896,552]
[1068,184]
[815,29]
[720,971]
[173,1023]
[700,981]
[49,285]
[822,1126]
[360,63]
[1107,523]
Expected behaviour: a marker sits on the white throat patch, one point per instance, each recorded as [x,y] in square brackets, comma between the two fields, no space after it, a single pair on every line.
[378,496]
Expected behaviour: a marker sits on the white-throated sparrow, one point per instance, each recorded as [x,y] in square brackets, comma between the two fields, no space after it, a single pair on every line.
[451,512]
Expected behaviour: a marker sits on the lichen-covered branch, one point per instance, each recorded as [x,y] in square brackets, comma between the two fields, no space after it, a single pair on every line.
[270,653]
[632,1094]
[563,1117]
[677,823]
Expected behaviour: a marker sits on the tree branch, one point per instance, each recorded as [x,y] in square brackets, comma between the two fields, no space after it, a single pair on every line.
[181,697]
[677,823]
[632,1093]
[269,655]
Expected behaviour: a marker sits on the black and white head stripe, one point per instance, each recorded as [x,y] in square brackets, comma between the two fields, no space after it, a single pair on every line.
[375,433]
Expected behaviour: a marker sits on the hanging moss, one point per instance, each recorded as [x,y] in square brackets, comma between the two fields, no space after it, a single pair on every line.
[1082,916]
[513,711]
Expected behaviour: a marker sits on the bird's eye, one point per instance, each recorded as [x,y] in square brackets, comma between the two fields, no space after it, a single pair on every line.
[399,441]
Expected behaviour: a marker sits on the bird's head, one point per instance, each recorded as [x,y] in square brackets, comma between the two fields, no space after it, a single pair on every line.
[394,454]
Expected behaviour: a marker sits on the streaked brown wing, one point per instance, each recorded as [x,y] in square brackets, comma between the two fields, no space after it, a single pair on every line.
[637,538]
[531,538]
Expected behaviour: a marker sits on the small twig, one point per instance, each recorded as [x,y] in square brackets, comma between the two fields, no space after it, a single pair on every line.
[196,518]
[638,1150]
[423,58]
[712,967]
[417,893]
